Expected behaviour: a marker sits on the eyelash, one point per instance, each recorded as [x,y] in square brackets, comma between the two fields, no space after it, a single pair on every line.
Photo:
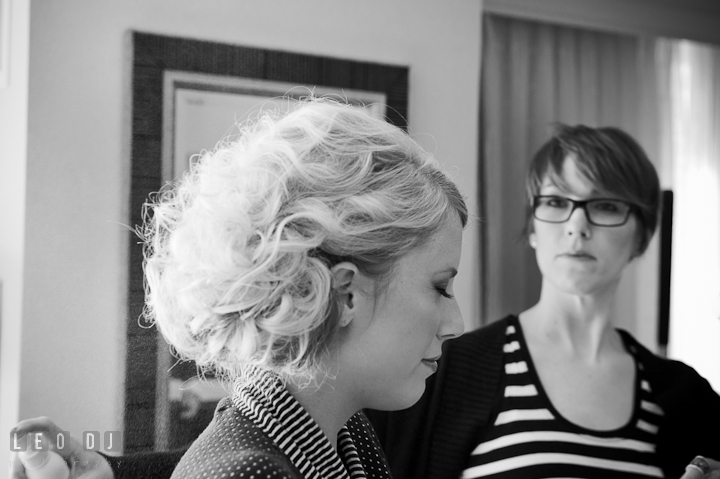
[444,293]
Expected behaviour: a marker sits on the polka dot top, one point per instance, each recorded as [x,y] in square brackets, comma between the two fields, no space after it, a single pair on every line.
[262,432]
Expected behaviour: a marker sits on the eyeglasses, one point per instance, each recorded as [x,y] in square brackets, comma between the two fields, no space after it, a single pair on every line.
[598,211]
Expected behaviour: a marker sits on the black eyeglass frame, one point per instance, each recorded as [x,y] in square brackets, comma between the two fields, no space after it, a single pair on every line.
[583,205]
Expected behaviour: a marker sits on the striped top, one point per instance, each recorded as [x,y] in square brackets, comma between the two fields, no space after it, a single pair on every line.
[530,439]
[268,404]
[262,432]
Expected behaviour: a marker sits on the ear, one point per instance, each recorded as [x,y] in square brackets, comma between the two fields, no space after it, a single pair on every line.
[635,254]
[533,240]
[345,281]
[638,242]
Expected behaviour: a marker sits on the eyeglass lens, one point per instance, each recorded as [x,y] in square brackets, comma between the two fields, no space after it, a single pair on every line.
[602,212]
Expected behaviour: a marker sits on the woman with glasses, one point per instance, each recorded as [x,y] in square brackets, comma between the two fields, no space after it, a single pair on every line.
[557,390]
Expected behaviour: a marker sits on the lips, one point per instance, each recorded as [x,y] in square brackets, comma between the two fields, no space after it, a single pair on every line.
[431,363]
[581,255]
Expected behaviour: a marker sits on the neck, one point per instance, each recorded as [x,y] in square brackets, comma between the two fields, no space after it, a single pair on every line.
[580,325]
[326,404]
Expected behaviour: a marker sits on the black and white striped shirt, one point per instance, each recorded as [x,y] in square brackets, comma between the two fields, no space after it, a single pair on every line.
[530,439]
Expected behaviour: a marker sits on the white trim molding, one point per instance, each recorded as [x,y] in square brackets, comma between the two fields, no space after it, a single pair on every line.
[690,19]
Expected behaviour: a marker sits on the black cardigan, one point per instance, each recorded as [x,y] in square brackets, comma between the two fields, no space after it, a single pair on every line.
[434,438]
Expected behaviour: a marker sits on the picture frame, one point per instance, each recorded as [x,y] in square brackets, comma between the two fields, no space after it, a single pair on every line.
[199,110]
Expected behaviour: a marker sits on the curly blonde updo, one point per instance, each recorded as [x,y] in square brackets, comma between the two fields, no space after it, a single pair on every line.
[238,251]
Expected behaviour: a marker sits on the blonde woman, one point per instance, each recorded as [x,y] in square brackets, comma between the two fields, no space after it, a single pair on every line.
[311,262]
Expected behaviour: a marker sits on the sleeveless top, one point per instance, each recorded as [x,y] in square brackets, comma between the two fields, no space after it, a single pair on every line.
[529,438]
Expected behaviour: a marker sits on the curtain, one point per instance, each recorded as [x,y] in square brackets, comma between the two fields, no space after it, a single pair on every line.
[691,84]
[535,74]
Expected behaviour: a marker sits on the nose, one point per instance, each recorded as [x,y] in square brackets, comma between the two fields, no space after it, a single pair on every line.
[578,224]
[453,326]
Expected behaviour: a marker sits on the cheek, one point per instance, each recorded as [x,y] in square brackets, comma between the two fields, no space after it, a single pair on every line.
[544,250]
[546,234]
[623,246]
[418,322]
[418,326]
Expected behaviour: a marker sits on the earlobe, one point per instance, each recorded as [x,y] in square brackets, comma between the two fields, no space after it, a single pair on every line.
[345,318]
[533,240]
[636,250]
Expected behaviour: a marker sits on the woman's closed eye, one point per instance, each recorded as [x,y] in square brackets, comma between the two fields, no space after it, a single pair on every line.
[443,291]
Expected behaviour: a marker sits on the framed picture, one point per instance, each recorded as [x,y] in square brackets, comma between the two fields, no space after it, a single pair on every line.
[186,96]
[200,109]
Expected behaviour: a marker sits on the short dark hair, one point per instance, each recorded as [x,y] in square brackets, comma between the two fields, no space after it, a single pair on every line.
[611,160]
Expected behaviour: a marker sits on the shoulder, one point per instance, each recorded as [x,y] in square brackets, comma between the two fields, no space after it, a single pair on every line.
[489,336]
[665,374]
[489,332]
[677,387]
[360,426]
[690,406]
[258,463]
[364,435]
[234,445]
[474,361]
[368,446]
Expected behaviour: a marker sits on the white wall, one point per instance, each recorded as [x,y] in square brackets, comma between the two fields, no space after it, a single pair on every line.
[13,162]
[78,157]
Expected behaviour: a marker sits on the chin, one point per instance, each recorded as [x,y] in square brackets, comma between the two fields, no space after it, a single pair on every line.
[576,286]
[397,400]
[589,288]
